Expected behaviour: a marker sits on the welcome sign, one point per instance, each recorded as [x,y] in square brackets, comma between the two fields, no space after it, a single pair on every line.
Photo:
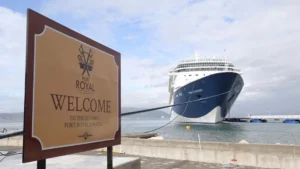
[72,100]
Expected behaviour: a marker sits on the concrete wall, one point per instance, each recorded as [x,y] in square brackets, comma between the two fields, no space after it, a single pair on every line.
[12,141]
[264,156]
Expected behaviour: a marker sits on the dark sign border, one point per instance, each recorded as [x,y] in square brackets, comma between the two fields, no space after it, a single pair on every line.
[31,147]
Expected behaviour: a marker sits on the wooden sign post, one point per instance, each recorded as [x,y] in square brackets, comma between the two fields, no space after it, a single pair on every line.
[72,93]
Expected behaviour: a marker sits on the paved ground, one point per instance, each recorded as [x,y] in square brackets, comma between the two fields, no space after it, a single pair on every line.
[156,163]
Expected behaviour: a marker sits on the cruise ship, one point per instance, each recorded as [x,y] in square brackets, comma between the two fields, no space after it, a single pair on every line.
[209,85]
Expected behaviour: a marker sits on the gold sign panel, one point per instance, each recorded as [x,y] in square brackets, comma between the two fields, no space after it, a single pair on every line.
[72,99]
[75,92]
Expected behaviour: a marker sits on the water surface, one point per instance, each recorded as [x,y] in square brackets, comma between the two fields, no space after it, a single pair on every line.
[264,133]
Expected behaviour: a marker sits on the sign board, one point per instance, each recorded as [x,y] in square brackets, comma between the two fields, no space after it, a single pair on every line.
[72,92]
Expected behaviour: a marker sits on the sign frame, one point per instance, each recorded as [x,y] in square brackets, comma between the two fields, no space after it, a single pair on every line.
[32,149]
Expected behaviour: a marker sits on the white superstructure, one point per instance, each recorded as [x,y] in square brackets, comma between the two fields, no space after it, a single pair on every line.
[191,70]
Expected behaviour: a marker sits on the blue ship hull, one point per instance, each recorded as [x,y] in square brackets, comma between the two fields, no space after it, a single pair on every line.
[225,86]
[258,121]
[294,121]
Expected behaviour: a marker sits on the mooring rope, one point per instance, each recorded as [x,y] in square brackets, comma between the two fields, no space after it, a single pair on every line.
[11,134]
[139,111]
[171,114]
[163,107]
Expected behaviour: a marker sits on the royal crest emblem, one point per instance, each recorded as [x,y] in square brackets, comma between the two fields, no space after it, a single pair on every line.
[85,61]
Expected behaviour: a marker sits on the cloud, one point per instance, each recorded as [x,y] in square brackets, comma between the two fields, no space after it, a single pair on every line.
[144,82]
[12,54]
[260,37]
[131,37]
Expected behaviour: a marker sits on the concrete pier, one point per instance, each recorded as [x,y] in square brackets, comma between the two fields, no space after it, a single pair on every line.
[76,161]
[252,155]
[144,162]
[255,155]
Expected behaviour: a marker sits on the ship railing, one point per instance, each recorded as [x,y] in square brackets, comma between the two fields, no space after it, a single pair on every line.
[203,67]
[176,73]
[204,60]
[213,68]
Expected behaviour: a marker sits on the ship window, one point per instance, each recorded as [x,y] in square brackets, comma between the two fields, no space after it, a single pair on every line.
[196,74]
[190,75]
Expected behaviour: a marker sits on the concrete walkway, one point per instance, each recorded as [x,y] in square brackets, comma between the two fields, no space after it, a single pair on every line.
[161,163]
[153,163]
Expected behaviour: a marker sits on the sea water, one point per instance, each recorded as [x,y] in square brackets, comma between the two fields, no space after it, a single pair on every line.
[261,133]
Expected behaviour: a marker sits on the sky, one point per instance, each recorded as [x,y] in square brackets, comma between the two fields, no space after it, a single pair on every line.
[261,37]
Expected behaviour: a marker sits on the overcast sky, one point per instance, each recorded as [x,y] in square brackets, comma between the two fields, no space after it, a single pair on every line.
[261,37]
